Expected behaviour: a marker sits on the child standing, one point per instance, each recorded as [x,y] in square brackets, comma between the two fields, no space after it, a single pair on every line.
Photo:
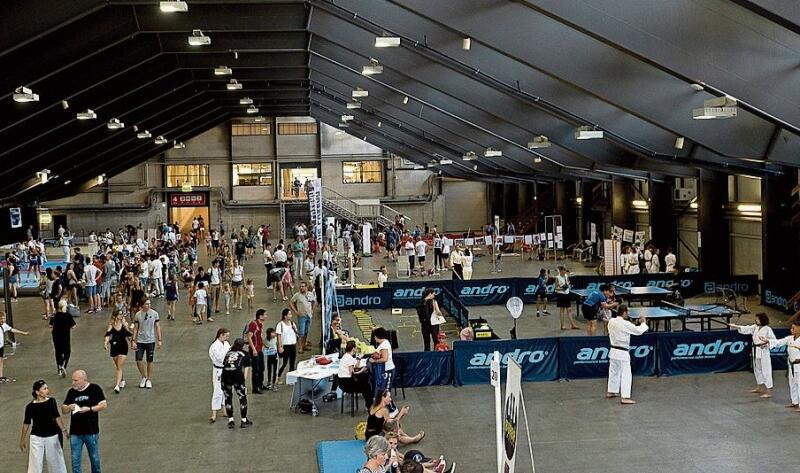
[171,291]
[251,294]
[226,298]
[5,328]
[541,293]
[201,301]
[271,355]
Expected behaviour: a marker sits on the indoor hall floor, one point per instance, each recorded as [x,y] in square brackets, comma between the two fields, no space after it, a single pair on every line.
[687,424]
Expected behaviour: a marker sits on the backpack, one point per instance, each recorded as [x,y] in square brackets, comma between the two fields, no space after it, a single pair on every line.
[360,431]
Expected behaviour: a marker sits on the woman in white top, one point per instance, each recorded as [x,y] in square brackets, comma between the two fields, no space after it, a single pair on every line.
[287,342]
[217,352]
[382,356]
[409,247]
[237,282]
[562,300]
[466,264]
[351,377]
[762,362]
[437,252]
[446,253]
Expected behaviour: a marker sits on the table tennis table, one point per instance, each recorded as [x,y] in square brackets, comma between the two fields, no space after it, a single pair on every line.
[626,294]
[704,314]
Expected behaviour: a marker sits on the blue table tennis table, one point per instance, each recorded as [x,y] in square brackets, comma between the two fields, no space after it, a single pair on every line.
[627,294]
[704,314]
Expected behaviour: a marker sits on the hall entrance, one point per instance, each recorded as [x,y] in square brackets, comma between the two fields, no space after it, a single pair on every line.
[183,207]
[293,181]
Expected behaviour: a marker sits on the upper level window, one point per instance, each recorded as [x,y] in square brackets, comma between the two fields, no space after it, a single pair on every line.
[362,172]
[250,129]
[297,128]
[195,174]
[252,174]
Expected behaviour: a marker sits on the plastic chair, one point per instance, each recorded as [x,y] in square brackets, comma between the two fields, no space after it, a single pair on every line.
[347,388]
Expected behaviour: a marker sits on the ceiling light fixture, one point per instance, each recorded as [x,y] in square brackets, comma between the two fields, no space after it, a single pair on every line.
[143,135]
[469,156]
[679,142]
[716,108]
[379,124]
[160,140]
[64,104]
[353,105]
[578,200]
[372,68]
[252,109]
[466,43]
[135,128]
[223,71]
[101,179]
[199,39]
[537,159]
[343,125]
[432,164]
[245,101]
[475,167]
[178,145]
[346,118]
[693,203]
[43,176]
[24,94]
[587,133]
[260,119]
[173,7]
[492,153]
[639,204]
[115,124]
[360,93]
[540,141]
[387,42]
[233,85]
[697,87]
[445,161]
[87,115]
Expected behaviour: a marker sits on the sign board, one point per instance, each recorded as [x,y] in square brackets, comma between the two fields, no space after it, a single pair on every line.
[189,199]
[627,235]
[16,217]
[315,209]
[593,232]
[511,416]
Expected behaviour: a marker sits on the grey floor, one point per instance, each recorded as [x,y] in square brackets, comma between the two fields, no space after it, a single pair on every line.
[683,424]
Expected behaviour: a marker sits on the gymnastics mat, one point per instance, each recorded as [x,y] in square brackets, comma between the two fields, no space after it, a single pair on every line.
[340,456]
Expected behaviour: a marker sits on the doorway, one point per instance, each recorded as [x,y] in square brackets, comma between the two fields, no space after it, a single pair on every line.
[183,216]
[58,220]
[293,181]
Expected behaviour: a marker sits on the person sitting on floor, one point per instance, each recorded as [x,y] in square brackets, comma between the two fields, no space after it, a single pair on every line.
[379,417]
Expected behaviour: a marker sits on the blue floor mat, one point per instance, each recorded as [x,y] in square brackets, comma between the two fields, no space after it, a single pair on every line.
[340,456]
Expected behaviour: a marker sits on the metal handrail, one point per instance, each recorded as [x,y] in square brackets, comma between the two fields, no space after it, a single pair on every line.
[376,212]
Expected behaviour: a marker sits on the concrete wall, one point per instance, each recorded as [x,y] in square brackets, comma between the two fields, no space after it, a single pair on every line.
[465,205]
[746,246]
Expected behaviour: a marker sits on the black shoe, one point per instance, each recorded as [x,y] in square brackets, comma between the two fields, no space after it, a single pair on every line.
[231,423]
[245,424]
[264,388]
[257,391]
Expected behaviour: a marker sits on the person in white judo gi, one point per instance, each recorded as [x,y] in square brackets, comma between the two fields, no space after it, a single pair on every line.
[217,351]
[792,344]
[762,363]
[620,329]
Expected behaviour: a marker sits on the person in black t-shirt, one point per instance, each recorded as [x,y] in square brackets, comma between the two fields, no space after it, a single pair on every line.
[84,400]
[61,324]
[45,441]
[233,376]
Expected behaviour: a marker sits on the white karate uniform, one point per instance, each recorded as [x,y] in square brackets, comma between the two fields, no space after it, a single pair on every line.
[648,261]
[670,261]
[793,353]
[633,263]
[762,363]
[619,360]
[217,352]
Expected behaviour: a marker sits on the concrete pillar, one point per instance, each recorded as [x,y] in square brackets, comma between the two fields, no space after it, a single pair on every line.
[780,254]
[714,231]
[565,206]
[662,218]
[621,198]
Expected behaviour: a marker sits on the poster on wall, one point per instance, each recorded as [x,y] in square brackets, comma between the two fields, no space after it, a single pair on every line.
[593,232]
[315,208]
[627,235]
[16,217]
[616,232]
[639,240]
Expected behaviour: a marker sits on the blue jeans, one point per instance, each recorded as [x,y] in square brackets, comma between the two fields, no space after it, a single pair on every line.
[92,443]
[303,324]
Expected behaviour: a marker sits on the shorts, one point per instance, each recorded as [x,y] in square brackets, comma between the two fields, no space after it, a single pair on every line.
[562,300]
[589,312]
[237,283]
[122,349]
[2,352]
[91,291]
[215,243]
[149,348]
[303,324]
[421,259]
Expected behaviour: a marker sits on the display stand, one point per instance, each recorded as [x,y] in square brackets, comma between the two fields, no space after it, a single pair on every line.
[554,233]
[611,257]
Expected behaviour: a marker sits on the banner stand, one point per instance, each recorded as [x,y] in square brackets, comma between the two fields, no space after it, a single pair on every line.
[527,430]
[498,407]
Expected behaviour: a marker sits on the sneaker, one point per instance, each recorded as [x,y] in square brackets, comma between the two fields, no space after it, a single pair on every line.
[122,383]
[210,319]
[142,383]
[116,389]
[274,388]
[537,313]
[148,384]
[246,423]
[231,423]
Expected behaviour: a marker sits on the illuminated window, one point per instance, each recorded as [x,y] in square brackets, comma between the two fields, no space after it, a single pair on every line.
[252,174]
[195,174]
[297,128]
[250,129]
[362,172]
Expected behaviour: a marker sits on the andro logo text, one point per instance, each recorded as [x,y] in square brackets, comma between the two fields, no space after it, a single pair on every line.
[357,300]
[530,289]
[483,290]
[588,355]
[711,287]
[699,351]
[667,283]
[413,293]
[483,360]
[774,299]
[595,286]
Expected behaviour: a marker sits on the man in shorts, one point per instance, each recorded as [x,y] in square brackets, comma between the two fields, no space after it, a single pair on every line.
[146,335]
[301,305]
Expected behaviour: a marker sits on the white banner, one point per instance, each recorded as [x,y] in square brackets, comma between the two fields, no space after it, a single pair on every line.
[315,207]
[511,416]
[593,232]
